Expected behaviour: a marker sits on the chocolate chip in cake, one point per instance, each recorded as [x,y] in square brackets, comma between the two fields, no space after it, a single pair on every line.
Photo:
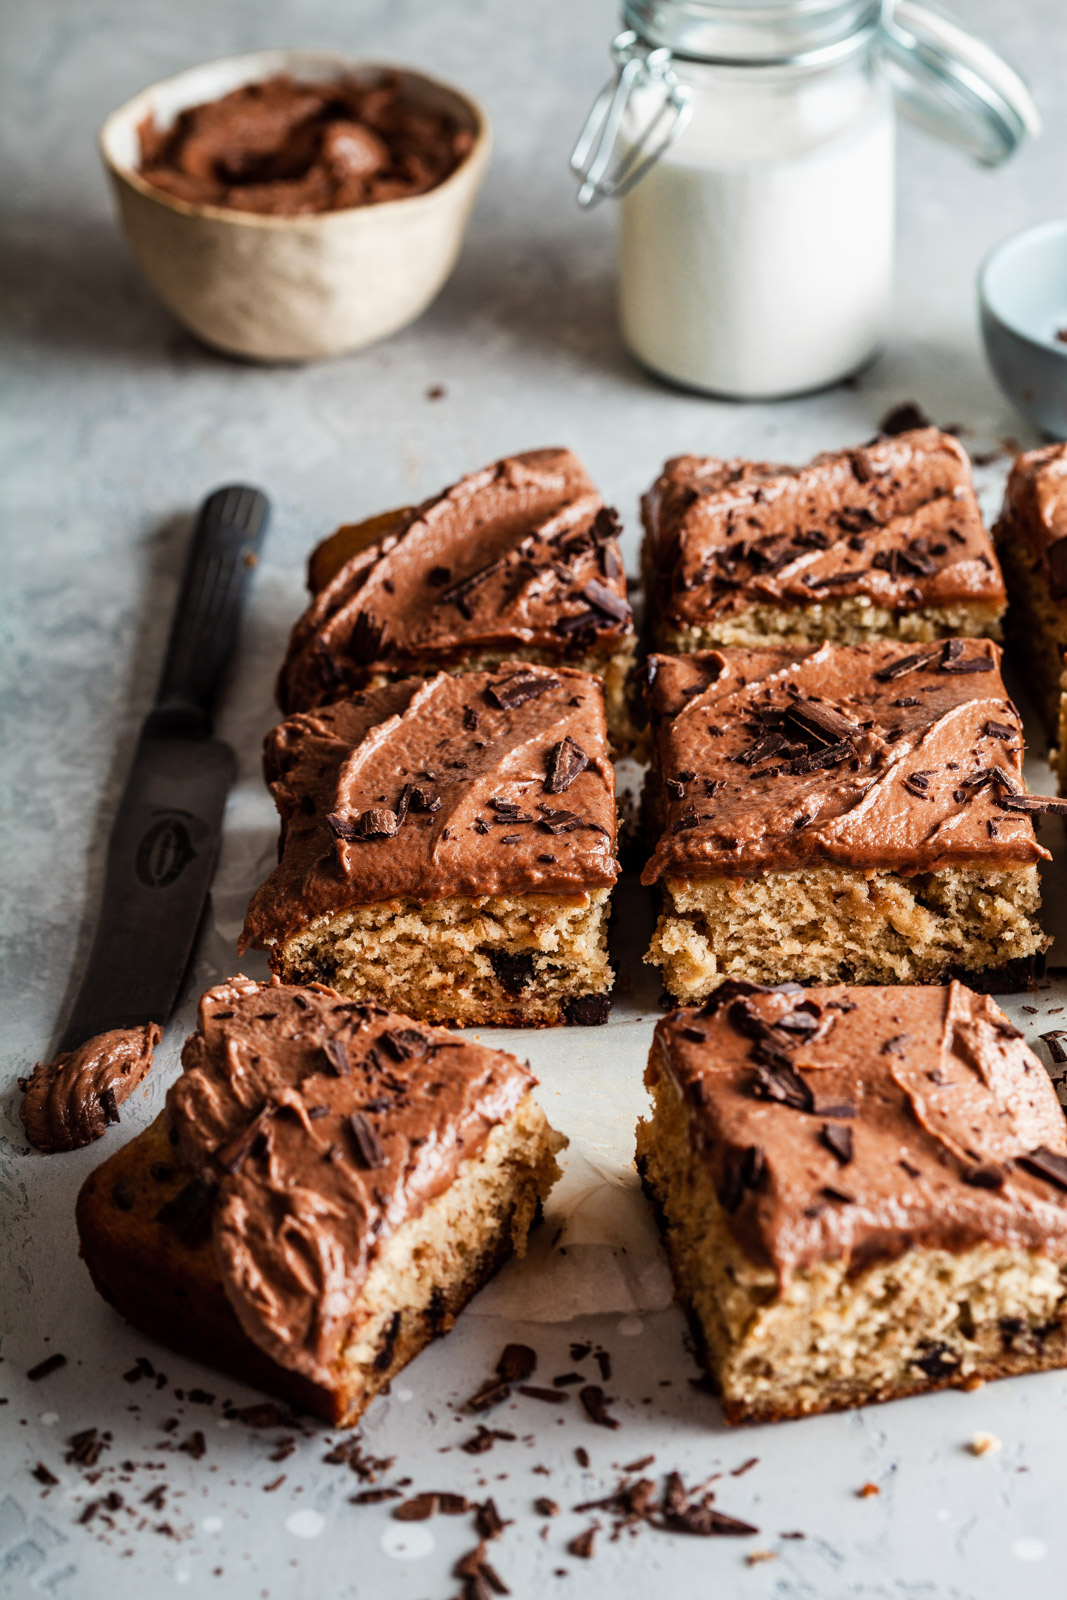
[514,969]
[586,1010]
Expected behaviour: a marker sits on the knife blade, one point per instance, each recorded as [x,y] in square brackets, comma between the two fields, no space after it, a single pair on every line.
[165,839]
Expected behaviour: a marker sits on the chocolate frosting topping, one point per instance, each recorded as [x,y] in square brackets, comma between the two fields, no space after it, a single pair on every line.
[1035,511]
[286,148]
[470,785]
[896,520]
[70,1101]
[522,555]
[865,756]
[318,1127]
[857,1123]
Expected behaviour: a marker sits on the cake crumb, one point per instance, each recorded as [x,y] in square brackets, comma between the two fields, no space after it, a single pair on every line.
[984,1444]
[754,1557]
[867,1491]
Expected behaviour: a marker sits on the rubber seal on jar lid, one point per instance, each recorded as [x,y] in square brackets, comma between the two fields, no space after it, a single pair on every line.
[954,85]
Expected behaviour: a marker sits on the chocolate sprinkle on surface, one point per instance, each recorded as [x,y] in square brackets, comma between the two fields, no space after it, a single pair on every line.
[45,1368]
[594,1403]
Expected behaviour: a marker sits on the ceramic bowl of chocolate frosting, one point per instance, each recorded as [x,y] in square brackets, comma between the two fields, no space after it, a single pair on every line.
[288,204]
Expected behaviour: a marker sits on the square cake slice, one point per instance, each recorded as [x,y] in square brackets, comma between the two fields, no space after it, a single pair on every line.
[849,813]
[520,560]
[328,1186]
[448,848]
[862,1192]
[884,541]
[1031,536]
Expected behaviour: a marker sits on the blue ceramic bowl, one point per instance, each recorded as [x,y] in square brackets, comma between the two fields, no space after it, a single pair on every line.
[1022,295]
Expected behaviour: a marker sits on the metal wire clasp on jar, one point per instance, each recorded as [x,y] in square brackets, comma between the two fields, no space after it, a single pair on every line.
[752,146]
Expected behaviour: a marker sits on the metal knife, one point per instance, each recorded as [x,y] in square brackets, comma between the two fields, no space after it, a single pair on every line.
[165,839]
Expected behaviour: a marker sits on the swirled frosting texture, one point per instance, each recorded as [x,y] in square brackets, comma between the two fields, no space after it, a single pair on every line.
[857,1123]
[485,784]
[860,756]
[521,555]
[1035,511]
[323,1126]
[70,1101]
[896,521]
[285,148]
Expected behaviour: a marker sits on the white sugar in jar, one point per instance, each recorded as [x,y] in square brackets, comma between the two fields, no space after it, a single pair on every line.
[751,146]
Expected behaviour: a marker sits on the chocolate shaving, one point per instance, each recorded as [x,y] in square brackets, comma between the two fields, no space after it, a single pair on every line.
[1057,1049]
[552,1396]
[424,800]
[404,1044]
[515,690]
[517,1363]
[986,1175]
[954,660]
[232,1155]
[558,821]
[781,1082]
[336,1053]
[998,730]
[45,1368]
[565,761]
[607,601]
[838,1141]
[366,639]
[190,1208]
[594,1404]
[903,418]
[1047,1164]
[582,1543]
[898,668]
[1032,804]
[370,1152]
[460,593]
[419,1509]
[742,1170]
[490,1394]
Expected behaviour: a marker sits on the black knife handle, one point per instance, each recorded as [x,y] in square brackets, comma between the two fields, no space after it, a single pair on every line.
[229,532]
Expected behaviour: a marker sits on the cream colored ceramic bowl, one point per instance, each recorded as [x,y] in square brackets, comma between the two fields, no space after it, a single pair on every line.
[292,288]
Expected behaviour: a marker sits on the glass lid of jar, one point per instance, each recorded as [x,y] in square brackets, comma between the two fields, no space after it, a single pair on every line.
[945,79]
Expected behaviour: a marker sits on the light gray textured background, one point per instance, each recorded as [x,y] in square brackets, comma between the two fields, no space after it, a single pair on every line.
[115,424]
